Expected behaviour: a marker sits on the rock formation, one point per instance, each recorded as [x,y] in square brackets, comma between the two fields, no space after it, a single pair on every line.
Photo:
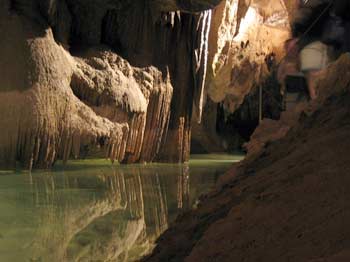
[79,77]
[128,79]
[242,37]
[245,45]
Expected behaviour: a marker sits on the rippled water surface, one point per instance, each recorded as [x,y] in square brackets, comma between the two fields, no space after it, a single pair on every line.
[92,211]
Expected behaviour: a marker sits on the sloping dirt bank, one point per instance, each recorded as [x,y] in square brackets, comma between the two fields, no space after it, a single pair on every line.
[289,201]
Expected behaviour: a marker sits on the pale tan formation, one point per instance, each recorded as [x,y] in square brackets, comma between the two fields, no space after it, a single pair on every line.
[244,37]
[94,79]
[137,97]
[56,106]
[66,91]
[243,34]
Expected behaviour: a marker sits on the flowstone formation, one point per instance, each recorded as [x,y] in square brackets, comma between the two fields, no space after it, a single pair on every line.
[99,78]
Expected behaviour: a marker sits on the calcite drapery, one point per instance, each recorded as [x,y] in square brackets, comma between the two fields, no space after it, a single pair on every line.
[68,94]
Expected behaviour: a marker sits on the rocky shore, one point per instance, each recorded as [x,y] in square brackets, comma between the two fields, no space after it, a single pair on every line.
[288,200]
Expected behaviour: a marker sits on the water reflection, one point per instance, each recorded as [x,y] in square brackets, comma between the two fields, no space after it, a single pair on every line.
[96,214]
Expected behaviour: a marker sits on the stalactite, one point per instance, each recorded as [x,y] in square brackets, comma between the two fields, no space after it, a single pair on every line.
[77,102]
[146,131]
[156,123]
[156,211]
[146,124]
[202,61]
[136,136]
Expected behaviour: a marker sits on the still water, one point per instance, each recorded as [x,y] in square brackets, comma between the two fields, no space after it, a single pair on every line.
[92,211]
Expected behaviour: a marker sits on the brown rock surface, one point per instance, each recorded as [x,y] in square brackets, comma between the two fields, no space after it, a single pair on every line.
[288,203]
[243,34]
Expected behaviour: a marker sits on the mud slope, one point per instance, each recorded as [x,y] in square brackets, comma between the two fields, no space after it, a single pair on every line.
[291,202]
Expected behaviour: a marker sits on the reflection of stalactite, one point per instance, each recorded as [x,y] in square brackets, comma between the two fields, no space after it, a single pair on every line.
[156,210]
[134,195]
[162,215]
[59,226]
[107,215]
[104,214]
[183,185]
[138,201]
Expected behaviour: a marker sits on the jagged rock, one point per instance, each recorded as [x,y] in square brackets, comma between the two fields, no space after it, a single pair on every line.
[159,44]
[171,42]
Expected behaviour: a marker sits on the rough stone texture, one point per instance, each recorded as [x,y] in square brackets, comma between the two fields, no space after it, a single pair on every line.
[289,202]
[242,37]
[65,106]
[41,118]
[66,93]
[168,42]
[138,97]
[143,66]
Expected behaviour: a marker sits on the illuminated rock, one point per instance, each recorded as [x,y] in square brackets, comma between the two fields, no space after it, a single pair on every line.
[242,37]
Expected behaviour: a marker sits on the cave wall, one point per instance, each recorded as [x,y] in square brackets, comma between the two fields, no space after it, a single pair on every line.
[245,46]
[242,38]
[98,78]
[170,42]
[128,79]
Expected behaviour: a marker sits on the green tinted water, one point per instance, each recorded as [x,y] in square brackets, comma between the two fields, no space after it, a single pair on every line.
[92,211]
